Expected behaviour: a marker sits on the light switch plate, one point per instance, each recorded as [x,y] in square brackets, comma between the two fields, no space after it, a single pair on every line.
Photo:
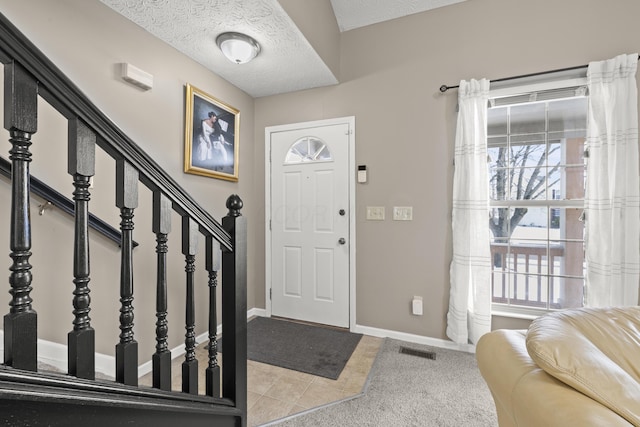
[402,213]
[375,213]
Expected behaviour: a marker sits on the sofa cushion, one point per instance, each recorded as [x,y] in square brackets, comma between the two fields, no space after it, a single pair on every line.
[594,350]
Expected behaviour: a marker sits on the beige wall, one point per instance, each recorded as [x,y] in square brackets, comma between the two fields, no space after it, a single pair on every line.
[86,40]
[390,75]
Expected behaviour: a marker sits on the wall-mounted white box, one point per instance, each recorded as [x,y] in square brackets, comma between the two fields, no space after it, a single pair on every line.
[375,213]
[416,306]
[136,76]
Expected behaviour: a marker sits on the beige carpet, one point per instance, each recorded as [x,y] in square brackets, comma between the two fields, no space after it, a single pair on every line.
[406,390]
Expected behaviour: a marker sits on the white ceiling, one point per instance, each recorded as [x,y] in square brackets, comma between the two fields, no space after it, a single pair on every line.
[287,61]
[352,14]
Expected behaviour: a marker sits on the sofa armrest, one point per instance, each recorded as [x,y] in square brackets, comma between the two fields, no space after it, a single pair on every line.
[526,396]
[558,405]
[503,360]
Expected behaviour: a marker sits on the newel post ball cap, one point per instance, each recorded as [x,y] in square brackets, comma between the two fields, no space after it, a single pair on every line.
[234,204]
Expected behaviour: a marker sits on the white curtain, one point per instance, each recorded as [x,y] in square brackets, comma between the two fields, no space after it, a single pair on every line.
[612,188]
[469,315]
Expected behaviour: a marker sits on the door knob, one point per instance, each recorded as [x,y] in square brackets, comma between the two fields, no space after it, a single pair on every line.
[342,212]
[342,241]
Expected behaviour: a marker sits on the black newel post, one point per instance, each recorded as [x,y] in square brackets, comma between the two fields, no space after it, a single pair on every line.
[189,250]
[234,313]
[127,201]
[161,227]
[20,119]
[81,165]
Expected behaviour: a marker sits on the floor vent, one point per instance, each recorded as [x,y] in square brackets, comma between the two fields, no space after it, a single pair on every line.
[420,353]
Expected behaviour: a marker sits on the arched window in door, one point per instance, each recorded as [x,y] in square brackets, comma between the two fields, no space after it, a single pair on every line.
[308,149]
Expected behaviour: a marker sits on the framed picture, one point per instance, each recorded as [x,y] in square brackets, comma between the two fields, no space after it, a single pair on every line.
[211,141]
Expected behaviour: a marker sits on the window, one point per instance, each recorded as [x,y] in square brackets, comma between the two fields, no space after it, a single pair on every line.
[537,179]
[308,149]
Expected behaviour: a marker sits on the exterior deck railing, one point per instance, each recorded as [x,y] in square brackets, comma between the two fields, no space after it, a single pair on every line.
[526,275]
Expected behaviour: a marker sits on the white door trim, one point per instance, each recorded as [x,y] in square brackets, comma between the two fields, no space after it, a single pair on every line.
[351,121]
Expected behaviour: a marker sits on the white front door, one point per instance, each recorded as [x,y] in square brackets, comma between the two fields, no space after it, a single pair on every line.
[309,214]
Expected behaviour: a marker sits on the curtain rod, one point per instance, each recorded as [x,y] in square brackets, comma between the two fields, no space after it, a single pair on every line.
[445,88]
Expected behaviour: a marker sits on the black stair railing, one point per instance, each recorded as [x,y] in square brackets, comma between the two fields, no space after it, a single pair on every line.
[29,75]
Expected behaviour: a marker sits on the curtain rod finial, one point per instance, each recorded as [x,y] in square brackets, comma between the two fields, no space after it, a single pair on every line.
[444,88]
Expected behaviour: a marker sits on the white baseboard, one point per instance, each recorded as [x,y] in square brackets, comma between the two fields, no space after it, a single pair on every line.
[386,333]
[178,351]
[417,339]
[55,354]
[258,312]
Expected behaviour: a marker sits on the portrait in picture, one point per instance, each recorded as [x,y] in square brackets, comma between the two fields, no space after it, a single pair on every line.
[211,136]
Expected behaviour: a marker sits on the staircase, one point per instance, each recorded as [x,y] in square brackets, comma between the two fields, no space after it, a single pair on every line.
[29,397]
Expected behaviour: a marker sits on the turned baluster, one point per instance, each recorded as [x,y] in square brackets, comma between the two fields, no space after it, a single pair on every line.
[81,165]
[189,250]
[21,118]
[127,201]
[161,227]
[212,372]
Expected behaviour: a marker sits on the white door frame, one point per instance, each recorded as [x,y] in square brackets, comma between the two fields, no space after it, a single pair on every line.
[351,121]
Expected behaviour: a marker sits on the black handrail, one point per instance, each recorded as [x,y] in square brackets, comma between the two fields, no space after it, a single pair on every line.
[58,200]
[69,100]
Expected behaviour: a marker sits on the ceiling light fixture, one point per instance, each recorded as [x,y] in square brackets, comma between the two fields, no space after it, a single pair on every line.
[237,47]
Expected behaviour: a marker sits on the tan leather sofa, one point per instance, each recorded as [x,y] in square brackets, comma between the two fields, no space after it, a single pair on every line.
[571,368]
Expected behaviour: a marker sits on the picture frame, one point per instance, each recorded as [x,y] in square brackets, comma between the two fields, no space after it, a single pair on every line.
[211,142]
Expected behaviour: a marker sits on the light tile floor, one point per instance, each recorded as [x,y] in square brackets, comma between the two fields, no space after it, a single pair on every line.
[275,392]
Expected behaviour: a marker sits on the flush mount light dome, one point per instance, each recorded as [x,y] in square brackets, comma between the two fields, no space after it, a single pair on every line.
[237,47]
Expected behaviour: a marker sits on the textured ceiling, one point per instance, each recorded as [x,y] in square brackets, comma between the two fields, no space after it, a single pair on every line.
[287,61]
